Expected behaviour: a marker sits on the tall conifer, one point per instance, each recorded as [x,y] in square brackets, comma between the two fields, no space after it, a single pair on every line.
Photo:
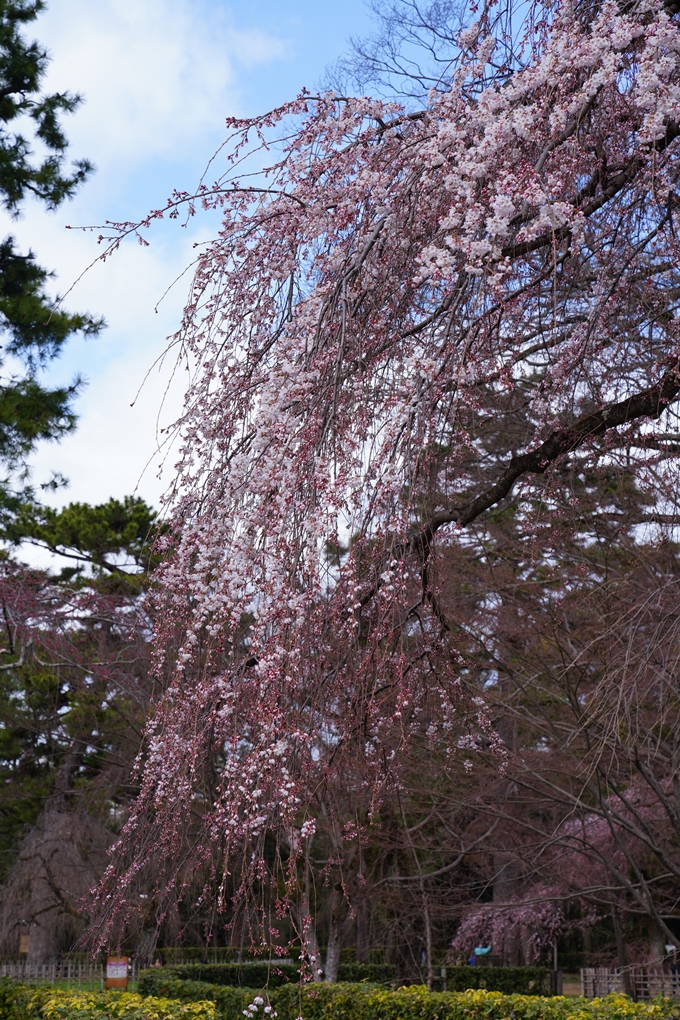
[32,330]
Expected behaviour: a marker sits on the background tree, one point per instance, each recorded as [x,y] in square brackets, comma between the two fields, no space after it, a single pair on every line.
[34,329]
[73,704]
[73,660]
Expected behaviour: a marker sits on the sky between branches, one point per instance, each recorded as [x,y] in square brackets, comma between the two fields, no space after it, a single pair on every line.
[158,77]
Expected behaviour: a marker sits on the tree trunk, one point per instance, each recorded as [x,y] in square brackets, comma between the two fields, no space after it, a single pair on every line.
[146,946]
[428,936]
[657,948]
[333,953]
[337,933]
[505,864]
[308,937]
[45,887]
[362,931]
[621,951]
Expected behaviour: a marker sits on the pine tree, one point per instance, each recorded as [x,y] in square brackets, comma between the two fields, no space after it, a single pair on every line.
[67,692]
[33,330]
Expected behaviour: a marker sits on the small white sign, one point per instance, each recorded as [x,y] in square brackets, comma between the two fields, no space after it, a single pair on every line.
[116,969]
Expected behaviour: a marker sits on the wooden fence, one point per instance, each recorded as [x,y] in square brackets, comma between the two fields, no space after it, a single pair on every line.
[73,975]
[644,982]
[78,974]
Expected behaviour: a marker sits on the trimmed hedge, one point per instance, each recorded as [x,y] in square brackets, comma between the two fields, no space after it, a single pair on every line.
[511,980]
[371,1002]
[273,975]
[318,1002]
[198,954]
[19,1002]
[249,975]
[520,980]
[120,1006]
[357,1002]
[229,1001]
[376,973]
[14,999]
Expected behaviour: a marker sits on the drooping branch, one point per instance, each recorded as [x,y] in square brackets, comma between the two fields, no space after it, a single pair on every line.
[344,348]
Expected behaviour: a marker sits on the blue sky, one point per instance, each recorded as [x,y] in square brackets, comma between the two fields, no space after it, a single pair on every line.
[158,77]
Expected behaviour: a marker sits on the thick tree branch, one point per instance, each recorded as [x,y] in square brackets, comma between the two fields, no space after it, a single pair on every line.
[612,187]
[649,403]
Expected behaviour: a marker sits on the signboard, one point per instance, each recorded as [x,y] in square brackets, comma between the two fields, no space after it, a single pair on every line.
[117,972]
[24,941]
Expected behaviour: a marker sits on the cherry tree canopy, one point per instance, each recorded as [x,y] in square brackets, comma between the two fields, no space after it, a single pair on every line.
[407,318]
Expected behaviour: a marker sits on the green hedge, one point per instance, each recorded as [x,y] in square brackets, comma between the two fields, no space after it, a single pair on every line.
[511,980]
[192,1000]
[229,1001]
[250,975]
[14,999]
[19,1002]
[371,1002]
[273,975]
[522,980]
[376,973]
[357,1002]
[197,954]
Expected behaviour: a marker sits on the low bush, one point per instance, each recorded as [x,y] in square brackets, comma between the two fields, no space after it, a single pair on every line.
[330,1002]
[121,1006]
[511,980]
[14,999]
[232,1003]
[371,1002]
[248,975]
[376,973]
[193,954]
[23,1003]
[356,1002]
[229,1001]
[522,980]
[273,975]
[194,1000]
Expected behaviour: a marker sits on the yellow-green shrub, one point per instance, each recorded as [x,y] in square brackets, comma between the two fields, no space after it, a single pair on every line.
[356,1002]
[122,1006]
[323,1002]
[479,1004]
[371,1002]
[54,1004]
[230,1001]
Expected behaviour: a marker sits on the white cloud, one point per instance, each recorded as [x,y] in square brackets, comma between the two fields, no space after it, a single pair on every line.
[159,79]
[108,454]
[157,75]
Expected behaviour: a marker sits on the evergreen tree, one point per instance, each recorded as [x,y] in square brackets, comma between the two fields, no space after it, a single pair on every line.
[33,330]
[72,651]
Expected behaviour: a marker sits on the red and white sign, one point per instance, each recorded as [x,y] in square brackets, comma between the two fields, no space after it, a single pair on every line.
[117,972]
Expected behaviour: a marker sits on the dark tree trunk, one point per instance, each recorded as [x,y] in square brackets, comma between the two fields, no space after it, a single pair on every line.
[621,951]
[362,931]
